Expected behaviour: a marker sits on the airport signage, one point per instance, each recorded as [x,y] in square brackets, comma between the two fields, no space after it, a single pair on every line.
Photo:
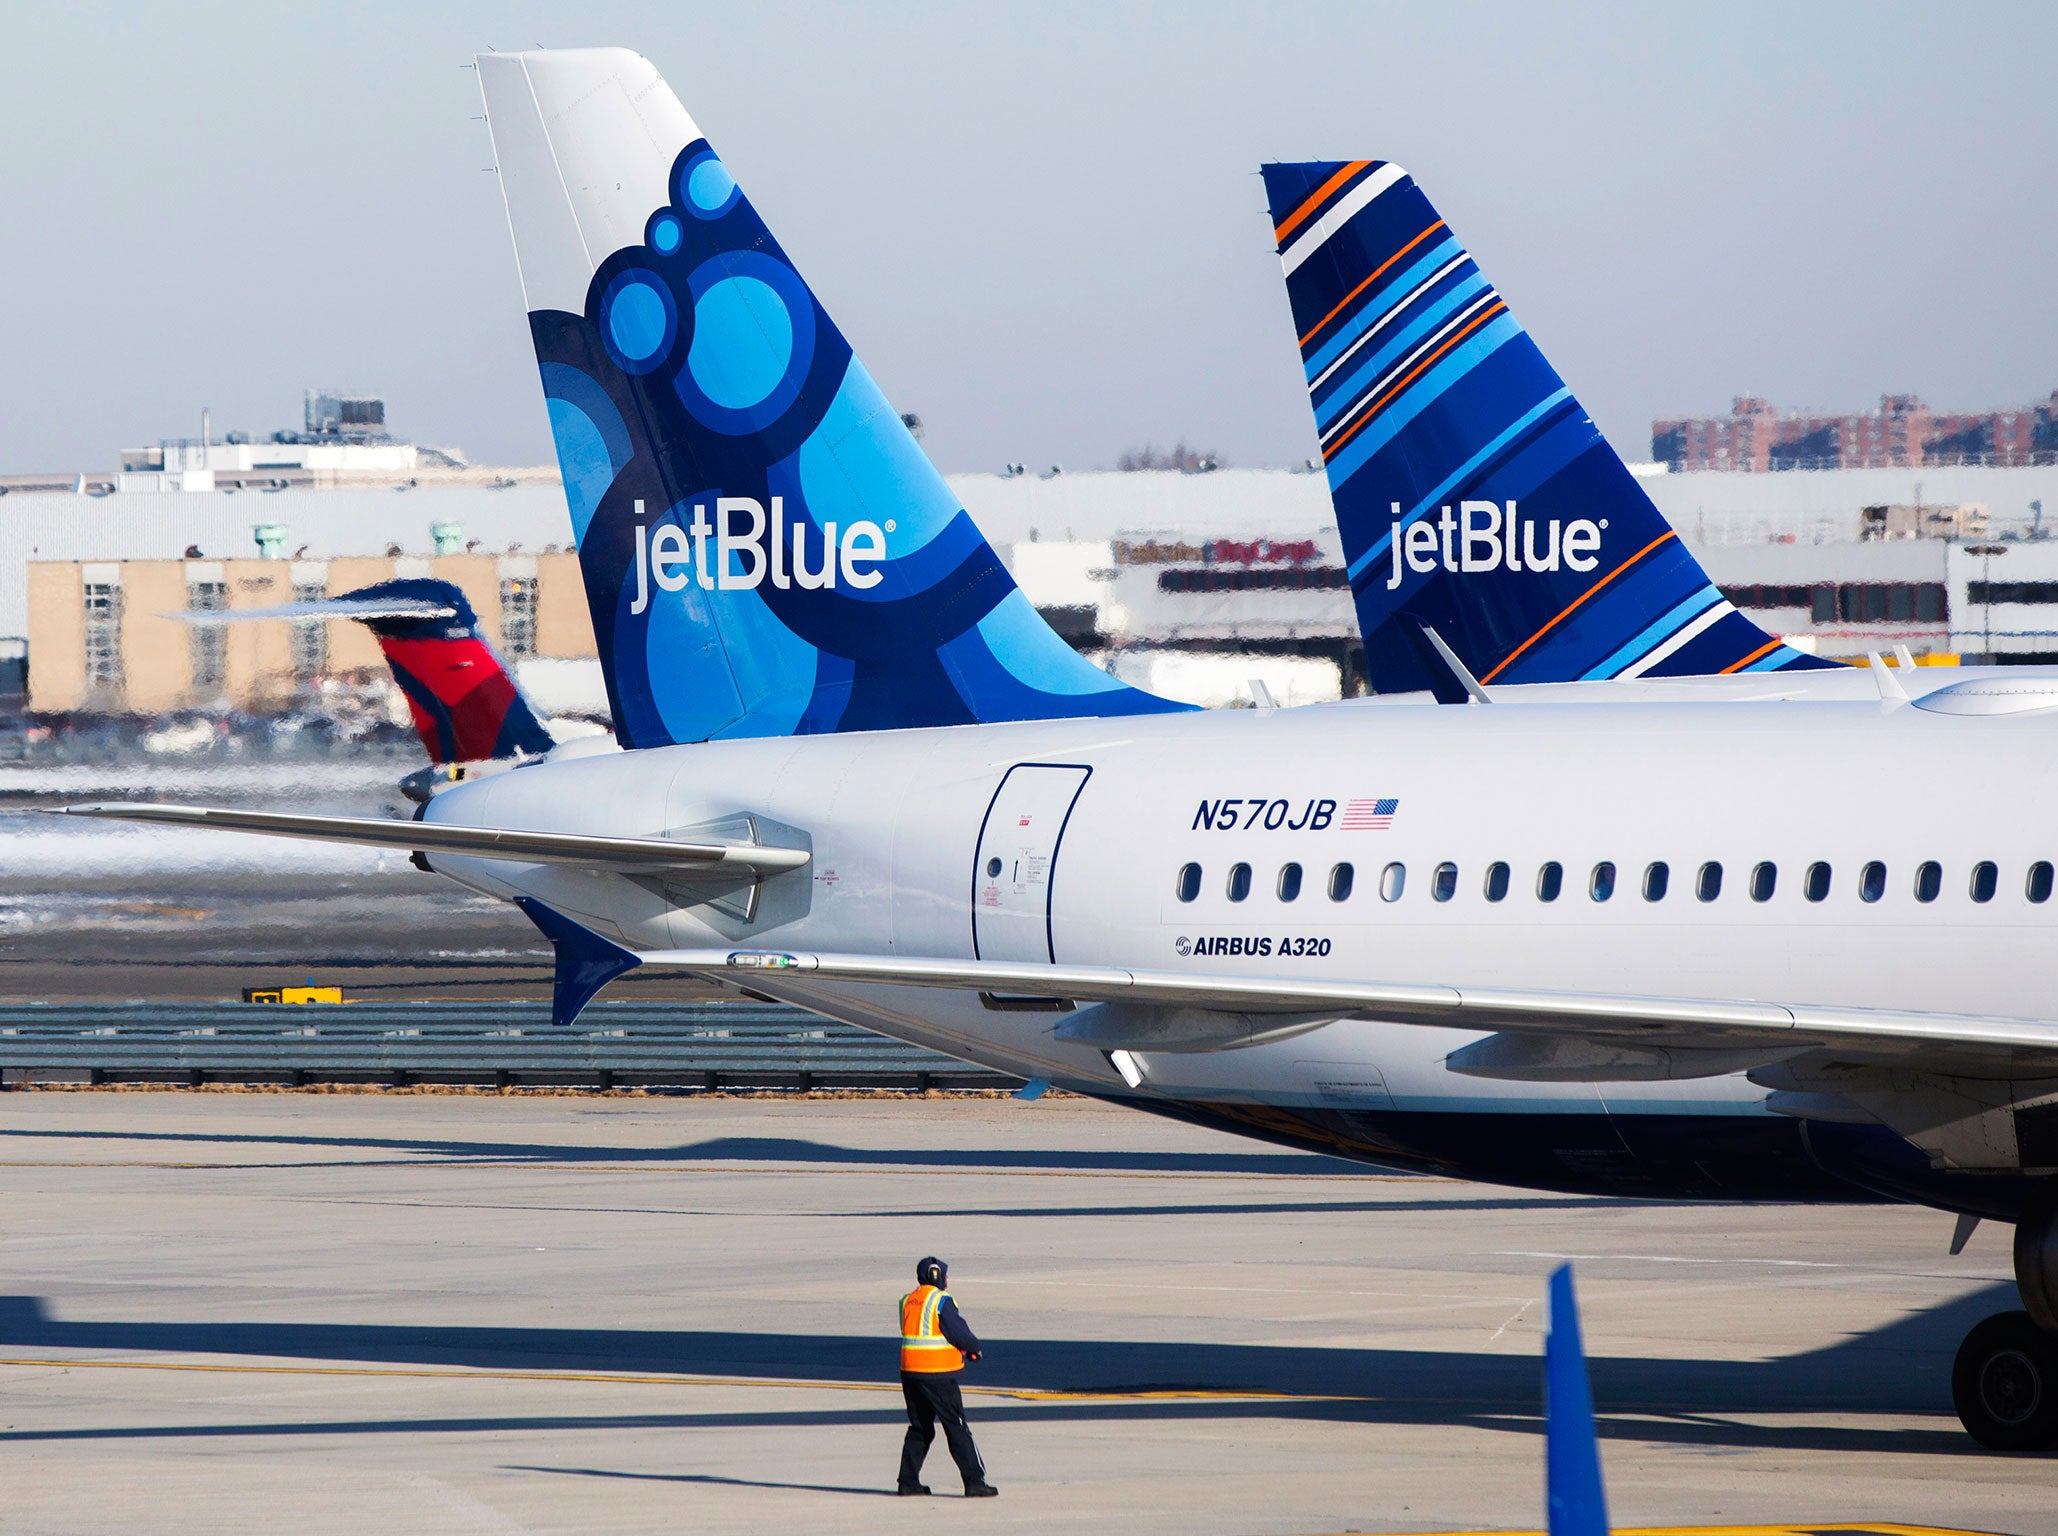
[1217,552]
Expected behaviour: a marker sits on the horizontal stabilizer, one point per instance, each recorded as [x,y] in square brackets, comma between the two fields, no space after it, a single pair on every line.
[1450,680]
[651,853]
[325,608]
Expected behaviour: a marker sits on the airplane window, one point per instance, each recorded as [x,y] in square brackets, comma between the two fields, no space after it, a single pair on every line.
[1549,881]
[1189,879]
[993,869]
[1602,885]
[1289,881]
[1929,880]
[1340,879]
[1709,885]
[1656,878]
[1392,881]
[1239,881]
[1764,878]
[1872,882]
[1496,881]
[1443,885]
[2038,886]
[1815,884]
[1984,878]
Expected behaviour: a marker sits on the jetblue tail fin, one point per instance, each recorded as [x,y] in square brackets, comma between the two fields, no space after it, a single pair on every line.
[1473,493]
[766,550]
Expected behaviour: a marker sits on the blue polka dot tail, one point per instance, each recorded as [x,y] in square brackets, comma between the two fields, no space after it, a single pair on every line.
[766,549]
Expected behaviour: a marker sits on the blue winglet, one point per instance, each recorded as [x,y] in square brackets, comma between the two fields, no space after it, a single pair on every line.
[1572,1450]
[585,961]
[1035,1088]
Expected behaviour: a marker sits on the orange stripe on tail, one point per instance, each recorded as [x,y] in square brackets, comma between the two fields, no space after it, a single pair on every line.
[1495,308]
[1738,666]
[1315,200]
[1566,612]
[1396,256]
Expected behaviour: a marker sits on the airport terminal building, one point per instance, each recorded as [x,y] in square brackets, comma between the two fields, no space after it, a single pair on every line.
[1190,584]
[106,637]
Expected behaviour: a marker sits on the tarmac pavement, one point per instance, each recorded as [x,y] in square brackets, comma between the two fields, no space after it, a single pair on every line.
[315,1313]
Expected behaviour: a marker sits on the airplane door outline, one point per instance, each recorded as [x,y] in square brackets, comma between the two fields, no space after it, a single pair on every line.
[1034,808]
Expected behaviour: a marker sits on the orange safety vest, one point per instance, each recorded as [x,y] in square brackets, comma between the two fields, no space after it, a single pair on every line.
[922,1344]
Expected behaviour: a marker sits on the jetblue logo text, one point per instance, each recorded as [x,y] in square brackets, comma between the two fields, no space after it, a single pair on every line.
[1483,537]
[1272,815]
[744,547]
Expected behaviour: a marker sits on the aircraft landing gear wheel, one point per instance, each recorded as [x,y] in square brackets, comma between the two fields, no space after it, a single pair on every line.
[2005,1384]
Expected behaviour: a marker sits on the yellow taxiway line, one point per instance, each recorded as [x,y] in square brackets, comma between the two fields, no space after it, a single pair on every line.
[1790,1528]
[658,1379]
[1022,1394]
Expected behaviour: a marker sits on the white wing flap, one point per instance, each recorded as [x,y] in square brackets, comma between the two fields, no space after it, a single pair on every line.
[1738,1031]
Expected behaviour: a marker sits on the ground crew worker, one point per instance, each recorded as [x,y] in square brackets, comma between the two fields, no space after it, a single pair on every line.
[935,1343]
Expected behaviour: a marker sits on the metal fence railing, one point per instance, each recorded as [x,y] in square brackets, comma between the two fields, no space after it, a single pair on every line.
[689,1045]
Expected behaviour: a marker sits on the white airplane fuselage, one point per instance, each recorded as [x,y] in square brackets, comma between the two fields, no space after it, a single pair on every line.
[1092,822]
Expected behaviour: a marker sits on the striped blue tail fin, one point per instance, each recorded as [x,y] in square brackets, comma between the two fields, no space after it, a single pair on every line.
[1473,494]
[766,549]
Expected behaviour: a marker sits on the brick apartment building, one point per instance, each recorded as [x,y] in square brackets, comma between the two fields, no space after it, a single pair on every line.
[1903,433]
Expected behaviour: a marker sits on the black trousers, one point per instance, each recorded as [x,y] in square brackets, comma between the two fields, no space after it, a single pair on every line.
[934,1396]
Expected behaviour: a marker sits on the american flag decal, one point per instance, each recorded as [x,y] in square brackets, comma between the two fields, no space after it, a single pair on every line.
[1367,815]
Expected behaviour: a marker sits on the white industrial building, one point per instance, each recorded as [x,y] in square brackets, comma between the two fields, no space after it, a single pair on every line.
[1250,560]
[1187,583]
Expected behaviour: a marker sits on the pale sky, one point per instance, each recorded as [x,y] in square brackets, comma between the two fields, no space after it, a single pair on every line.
[1040,224]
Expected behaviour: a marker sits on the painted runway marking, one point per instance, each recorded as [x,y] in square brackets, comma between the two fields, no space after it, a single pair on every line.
[1615,1412]
[1661,1258]
[1072,1284]
[1798,1528]
[1513,1319]
[654,1379]
[1858,1272]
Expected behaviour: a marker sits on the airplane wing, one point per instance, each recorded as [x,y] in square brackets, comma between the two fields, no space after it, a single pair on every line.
[649,853]
[1535,1035]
